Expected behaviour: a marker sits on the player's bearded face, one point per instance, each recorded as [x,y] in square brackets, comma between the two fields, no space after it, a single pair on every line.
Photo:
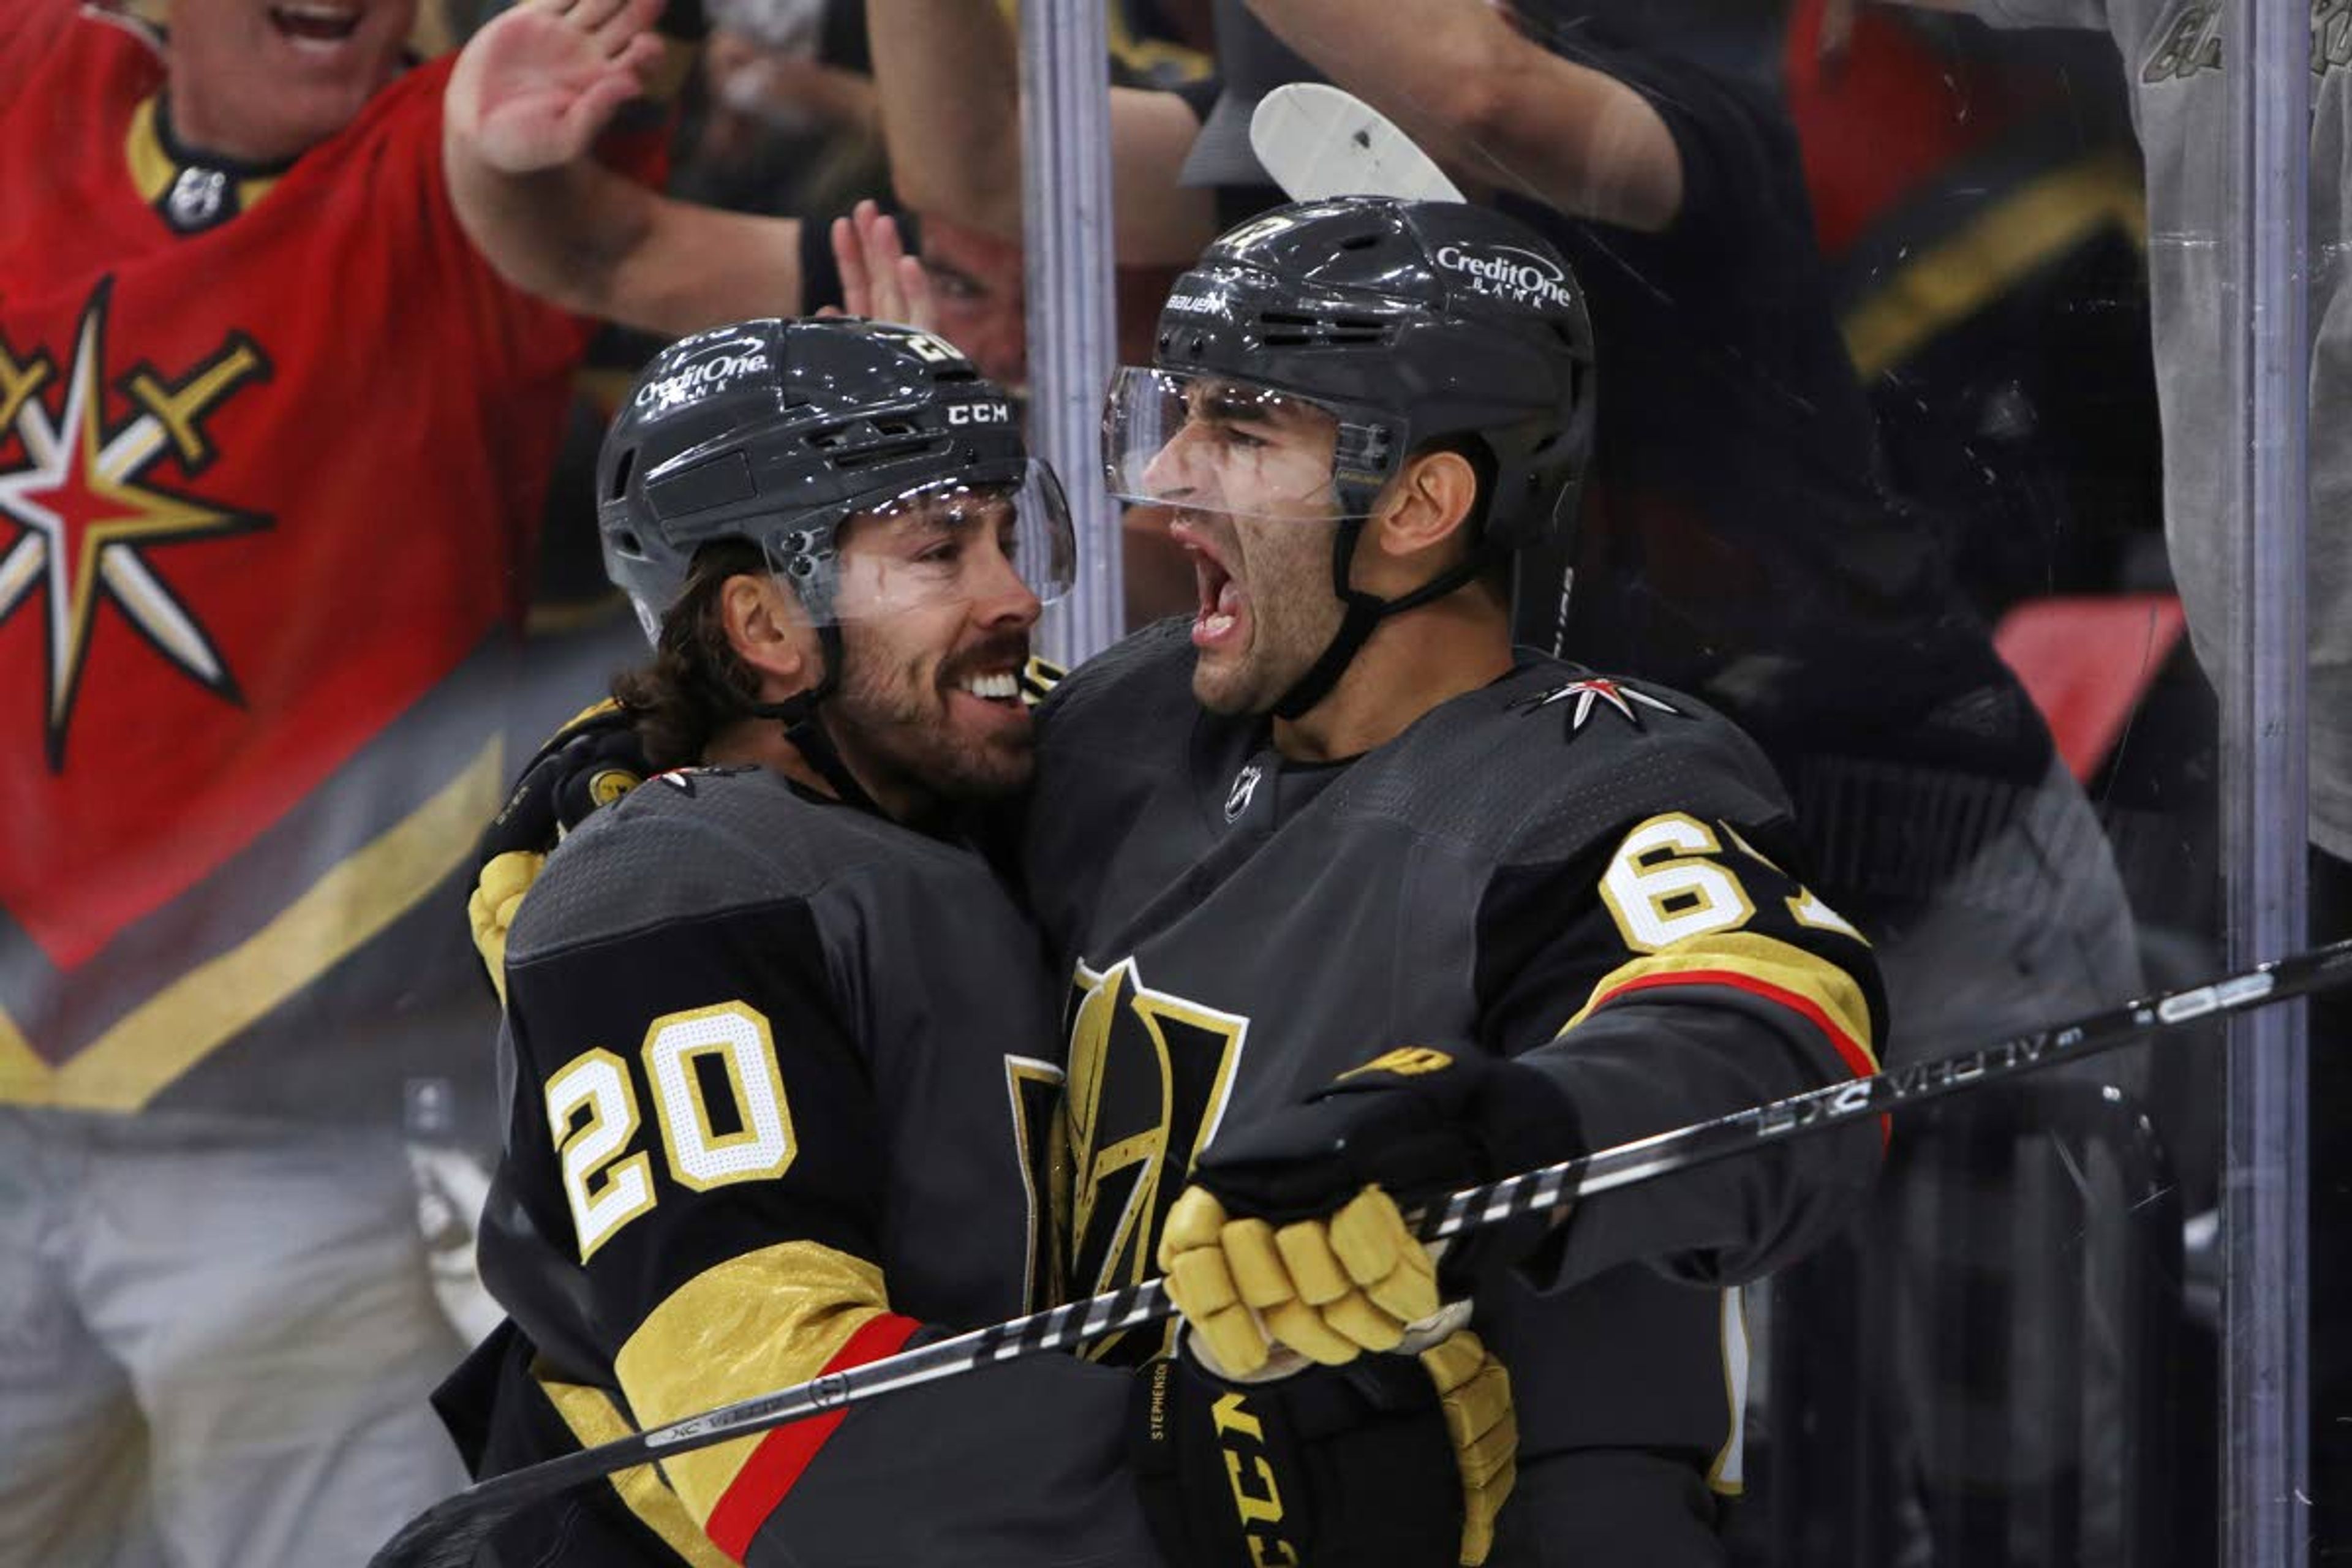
[928,698]
[269,79]
[1249,479]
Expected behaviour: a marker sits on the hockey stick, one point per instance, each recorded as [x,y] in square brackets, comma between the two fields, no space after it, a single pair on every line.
[447,1534]
[1315,141]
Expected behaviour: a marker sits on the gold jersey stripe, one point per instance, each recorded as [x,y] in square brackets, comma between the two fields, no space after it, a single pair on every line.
[755,1323]
[1950,281]
[594,1419]
[24,1076]
[1768,963]
[178,1026]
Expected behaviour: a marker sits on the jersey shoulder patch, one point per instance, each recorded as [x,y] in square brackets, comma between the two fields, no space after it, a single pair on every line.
[1555,754]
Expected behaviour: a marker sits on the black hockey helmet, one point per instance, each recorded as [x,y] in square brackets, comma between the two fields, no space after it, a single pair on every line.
[1409,322]
[1404,323]
[777,431]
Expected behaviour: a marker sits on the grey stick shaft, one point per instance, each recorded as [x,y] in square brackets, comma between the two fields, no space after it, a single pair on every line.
[446,1535]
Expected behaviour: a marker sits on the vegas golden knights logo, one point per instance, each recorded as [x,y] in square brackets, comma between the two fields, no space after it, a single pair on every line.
[91,524]
[1148,1078]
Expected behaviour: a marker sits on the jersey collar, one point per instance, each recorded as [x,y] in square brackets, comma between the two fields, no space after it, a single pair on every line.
[191,190]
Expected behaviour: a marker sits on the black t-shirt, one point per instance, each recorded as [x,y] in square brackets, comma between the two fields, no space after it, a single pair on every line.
[1735,541]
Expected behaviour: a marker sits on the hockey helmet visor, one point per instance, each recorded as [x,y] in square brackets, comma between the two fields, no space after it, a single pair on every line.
[1203,441]
[971,539]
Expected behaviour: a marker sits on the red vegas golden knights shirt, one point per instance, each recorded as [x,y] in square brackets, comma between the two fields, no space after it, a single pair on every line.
[273,446]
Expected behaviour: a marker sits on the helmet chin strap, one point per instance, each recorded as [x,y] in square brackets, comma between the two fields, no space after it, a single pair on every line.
[804,725]
[1363,613]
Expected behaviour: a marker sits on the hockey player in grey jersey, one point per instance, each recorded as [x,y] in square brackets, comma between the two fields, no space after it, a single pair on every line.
[1358,901]
[779,1047]
[780,1052]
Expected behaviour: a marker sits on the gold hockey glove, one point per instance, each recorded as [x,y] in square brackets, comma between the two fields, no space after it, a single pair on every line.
[1474,1392]
[591,762]
[1037,680]
[1329,1288]
[1417,1122]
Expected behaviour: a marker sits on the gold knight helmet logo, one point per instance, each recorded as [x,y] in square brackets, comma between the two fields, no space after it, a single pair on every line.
[85,515]
[1150,1074]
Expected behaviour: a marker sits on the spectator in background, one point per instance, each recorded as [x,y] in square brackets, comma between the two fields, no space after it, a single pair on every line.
[784,120]
[274,420]
[1977,200]
[1736,540]
[971,238]
[2172,54]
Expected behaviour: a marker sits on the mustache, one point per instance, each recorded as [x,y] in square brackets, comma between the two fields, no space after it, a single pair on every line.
[1011,648]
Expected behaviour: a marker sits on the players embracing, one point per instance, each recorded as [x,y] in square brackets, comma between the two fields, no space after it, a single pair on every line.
[1353,902]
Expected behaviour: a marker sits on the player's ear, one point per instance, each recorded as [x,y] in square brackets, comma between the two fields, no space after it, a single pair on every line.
[770,632]
[1428,503]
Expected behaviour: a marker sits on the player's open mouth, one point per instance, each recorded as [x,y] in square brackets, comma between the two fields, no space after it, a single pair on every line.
[1223,605]
[998,686]
[310,22]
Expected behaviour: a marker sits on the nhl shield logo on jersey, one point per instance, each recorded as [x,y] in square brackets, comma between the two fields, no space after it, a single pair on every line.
[85,516]
[1589,693]
[198,199]
[1245,790]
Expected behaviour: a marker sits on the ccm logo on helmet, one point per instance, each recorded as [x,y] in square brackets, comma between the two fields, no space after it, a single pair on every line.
[1507,273]
[980,414]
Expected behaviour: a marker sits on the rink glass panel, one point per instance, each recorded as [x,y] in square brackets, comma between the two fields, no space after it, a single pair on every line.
[1935,585]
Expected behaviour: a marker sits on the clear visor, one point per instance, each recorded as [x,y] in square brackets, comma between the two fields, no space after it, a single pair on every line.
[1202,442]
[954,542]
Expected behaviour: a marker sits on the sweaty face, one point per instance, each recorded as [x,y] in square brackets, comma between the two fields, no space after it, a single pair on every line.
[935,622]
[264,80]
[1249,477]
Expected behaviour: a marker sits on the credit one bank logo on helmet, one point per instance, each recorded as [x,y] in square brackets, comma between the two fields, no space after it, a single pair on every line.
[1508,272]
[709,369]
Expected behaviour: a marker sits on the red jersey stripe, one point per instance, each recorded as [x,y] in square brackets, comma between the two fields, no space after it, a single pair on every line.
[777,1463]
[1849,1050]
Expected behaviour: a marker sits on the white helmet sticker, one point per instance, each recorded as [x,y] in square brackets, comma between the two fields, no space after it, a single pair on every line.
[712,363]
[1508,272]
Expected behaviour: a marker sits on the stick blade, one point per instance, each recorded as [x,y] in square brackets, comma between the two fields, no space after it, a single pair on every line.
[1317,140]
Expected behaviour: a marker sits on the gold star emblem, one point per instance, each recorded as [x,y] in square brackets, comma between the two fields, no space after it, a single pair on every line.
[85,518]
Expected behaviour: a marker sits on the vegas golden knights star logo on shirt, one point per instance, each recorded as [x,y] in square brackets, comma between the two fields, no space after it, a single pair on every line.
[1148,1078]
[89,513]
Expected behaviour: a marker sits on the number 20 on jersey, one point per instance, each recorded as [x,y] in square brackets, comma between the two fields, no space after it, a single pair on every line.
[606,1185]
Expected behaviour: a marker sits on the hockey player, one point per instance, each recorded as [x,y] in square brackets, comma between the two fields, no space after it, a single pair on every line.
[781,1049]
[1358,903]
[751,1138]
